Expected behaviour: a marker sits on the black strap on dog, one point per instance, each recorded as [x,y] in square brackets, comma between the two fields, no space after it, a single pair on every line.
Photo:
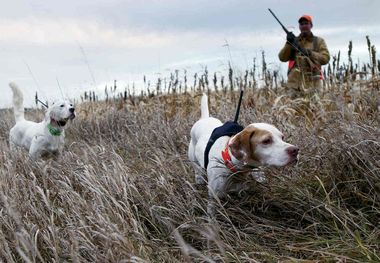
[238,107]
[227,129]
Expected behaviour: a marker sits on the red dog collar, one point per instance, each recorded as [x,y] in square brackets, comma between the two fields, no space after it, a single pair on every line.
[227,159]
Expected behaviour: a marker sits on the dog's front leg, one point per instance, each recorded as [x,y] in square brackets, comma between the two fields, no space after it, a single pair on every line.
[200,177]
[35,149]
[12,145]
[216,189]
[34,154]
[211,207]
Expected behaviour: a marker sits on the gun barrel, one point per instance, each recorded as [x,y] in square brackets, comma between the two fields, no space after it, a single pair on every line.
[283,27]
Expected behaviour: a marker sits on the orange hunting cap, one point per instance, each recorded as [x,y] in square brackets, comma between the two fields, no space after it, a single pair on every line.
[306,17]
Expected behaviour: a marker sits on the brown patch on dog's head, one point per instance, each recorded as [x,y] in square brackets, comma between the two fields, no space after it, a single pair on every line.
[243,145]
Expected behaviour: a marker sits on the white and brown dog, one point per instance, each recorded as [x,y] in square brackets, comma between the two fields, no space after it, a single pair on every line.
[258,144]
[45,138]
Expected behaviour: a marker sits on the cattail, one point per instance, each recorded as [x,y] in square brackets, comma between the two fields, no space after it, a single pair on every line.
[148,88]
[264,64]
[185,79]
[338,60]
[201,84]
[214,80]
[245,79]
[106,93]
[230,76]
[195,80]
[275,75]
[158,86]
[169,86]
[373,58]
[206,76]
[364,69]
[222,85]
[350,67]
[334,69]
[176,80]
[369,47]
[253,73]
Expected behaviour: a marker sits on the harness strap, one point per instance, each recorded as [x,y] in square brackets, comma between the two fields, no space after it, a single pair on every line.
[227,129]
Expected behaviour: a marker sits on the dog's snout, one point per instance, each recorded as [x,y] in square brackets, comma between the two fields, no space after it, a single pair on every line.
[72,110]
[292,151]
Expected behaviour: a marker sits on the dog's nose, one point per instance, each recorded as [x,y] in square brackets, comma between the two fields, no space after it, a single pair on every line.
[292,151]
[72,110]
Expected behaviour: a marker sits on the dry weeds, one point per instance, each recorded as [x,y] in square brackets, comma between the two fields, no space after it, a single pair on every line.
[124,191]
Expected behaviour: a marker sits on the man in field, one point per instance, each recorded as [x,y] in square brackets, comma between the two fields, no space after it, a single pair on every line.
[305,54]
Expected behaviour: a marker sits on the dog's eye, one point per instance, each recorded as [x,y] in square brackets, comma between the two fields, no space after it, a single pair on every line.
[62,105]
[267,141]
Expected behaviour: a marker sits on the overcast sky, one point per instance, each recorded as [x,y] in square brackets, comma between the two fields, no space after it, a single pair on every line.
[62,48]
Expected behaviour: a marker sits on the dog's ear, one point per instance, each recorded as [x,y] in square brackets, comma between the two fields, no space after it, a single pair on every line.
[241,145]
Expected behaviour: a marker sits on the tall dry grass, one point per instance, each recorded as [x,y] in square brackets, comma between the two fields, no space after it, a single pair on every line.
[123,190]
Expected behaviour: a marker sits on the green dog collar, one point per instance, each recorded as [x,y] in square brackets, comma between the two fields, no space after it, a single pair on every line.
[54,131]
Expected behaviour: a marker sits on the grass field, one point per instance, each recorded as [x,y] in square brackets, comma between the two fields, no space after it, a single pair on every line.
[123,190]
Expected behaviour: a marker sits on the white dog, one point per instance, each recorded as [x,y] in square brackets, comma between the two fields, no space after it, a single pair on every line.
[258,144]
[44,138]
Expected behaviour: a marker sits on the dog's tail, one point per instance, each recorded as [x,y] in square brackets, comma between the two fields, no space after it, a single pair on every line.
[18,99]
[204,107]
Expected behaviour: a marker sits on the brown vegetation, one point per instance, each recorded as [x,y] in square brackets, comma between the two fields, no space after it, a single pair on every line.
[124,189]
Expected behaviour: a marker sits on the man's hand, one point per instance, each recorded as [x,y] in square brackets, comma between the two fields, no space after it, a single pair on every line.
[305,51]
[291,38]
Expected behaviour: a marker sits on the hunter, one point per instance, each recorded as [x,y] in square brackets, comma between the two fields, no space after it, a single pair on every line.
[305,54]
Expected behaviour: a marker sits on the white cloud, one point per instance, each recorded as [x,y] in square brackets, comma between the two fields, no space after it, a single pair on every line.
[66,31]
[45,31]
